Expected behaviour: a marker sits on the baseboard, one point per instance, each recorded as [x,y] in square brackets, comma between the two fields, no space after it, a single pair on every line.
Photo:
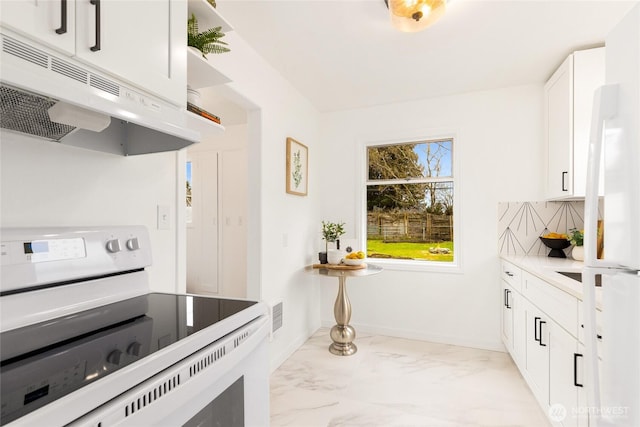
[417,335]
[278,359]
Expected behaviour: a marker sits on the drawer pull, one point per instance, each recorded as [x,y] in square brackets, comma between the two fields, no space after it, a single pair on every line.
[96,47]
[508,273]
[540,341]
[575,370]
[63,18]
[535,329]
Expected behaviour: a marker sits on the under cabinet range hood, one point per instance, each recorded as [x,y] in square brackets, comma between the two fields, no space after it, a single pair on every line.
[50,96]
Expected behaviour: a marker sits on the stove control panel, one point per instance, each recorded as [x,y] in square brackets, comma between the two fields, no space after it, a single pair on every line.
[36,257]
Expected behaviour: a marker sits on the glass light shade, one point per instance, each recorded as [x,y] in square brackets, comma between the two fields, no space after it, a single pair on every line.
[415,15]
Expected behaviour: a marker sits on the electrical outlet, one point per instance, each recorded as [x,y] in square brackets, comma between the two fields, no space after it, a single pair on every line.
[163,217]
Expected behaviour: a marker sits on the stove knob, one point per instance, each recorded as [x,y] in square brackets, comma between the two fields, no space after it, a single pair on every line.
[113,246]
[134,349]
[114,357]
[133,244]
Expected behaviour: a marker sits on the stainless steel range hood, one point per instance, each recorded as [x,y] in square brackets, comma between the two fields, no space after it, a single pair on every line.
[33,80]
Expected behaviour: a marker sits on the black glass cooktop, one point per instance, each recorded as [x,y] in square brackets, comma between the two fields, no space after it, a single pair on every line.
[43,362]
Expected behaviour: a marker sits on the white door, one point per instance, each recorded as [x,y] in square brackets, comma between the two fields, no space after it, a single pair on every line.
[43,21]
[202,231]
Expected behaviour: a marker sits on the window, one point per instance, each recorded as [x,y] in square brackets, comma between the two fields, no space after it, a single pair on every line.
[410,203]
[189,216]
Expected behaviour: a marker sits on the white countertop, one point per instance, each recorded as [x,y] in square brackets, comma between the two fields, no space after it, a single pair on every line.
[546,268]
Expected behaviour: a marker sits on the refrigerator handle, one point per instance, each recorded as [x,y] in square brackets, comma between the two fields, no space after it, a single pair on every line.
[604,107]
[605,103]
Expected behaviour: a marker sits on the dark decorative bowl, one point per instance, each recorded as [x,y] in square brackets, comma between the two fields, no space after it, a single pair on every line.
[556,246]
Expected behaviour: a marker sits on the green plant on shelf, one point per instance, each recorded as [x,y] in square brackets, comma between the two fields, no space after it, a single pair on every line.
[576,237]
[207,41]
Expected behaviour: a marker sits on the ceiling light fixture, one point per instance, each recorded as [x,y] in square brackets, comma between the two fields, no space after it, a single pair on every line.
[415,15]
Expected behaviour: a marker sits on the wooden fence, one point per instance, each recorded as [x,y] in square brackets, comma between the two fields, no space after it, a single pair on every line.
[409,227]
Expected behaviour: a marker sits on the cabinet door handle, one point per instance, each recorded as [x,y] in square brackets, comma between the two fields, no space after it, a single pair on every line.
[507,298]
[96,47]
[535,329]
[575,370]
[564,174]
[508,273]
[63,18]
[542,322]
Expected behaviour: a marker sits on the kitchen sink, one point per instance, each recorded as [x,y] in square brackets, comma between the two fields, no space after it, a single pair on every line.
[578,276]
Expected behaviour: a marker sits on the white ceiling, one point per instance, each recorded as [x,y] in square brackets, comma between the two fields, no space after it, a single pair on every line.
[344,54]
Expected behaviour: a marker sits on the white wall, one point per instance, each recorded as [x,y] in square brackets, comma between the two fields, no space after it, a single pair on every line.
[282,228]
[499,141]
[50,184]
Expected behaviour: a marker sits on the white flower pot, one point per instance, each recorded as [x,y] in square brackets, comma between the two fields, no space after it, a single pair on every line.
[577,253]
[334,256]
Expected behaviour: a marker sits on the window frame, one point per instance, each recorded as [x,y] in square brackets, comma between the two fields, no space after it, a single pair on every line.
[454,266]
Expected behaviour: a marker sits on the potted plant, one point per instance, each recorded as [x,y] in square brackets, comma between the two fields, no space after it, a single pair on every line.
[576,237]
[331,232]
[207,41]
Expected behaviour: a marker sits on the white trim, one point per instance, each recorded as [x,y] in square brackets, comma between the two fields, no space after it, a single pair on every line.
[440,134]
[279,359]
[421,336]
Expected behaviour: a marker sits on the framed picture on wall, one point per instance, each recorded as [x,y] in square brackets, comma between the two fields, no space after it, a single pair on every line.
[297,167]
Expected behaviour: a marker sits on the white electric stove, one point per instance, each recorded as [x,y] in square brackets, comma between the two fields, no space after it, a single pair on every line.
[83,341]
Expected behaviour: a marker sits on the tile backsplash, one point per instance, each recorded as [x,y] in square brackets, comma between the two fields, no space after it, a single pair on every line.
[521,223]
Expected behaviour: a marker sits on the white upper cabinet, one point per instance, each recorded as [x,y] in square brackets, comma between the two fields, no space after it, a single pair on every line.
[141,42]
[49,22]
[568,103]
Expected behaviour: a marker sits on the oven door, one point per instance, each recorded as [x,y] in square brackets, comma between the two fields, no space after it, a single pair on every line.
[224,384]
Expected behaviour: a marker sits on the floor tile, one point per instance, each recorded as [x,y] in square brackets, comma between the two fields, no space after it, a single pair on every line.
[400,382]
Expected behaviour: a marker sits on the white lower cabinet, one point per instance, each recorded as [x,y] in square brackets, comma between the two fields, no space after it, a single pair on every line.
[567,396]
[537,352]
[539,330]
[507,316]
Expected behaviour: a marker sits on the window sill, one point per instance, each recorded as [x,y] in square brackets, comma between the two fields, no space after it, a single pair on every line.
[420,266]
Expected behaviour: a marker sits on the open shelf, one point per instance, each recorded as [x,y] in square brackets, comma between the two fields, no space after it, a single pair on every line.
[201,73]
[208,16]
[205,126]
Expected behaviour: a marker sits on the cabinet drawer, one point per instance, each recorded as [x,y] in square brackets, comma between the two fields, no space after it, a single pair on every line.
[512,275]
[560,306]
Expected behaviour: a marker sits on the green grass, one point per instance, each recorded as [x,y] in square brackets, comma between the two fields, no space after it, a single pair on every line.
[417,251]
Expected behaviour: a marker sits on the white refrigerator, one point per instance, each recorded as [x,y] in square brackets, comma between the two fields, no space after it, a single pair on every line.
[613,383]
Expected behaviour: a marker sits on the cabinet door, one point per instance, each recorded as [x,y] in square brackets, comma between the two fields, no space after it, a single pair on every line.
[588,75]
[566,377]
[134,40]
[507,316]
[537,353]
[559,130]
[519,330]
[51,22]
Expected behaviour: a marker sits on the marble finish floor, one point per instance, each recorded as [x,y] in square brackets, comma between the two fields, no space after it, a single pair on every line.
[400,382]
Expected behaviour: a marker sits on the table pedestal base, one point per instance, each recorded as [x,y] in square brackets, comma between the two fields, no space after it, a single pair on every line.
[342,334]
[343,337]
